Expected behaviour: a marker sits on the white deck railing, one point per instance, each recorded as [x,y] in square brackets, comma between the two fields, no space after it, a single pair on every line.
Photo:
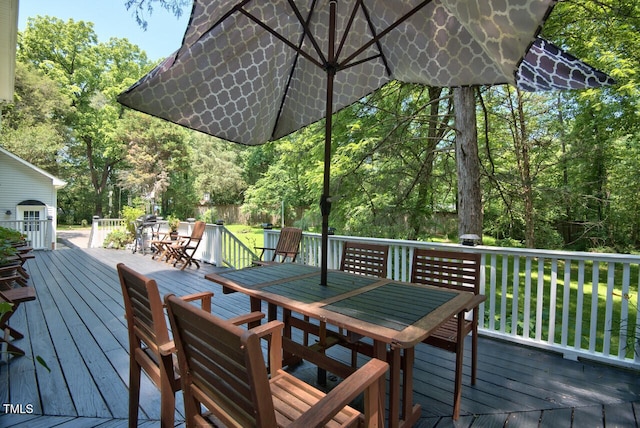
[219,246]
[579,304]
[39,232]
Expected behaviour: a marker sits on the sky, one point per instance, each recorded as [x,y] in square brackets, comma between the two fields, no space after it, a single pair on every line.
[112,19]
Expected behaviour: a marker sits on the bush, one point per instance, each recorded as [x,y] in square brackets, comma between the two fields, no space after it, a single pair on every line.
[130,215]
[11,235]
[118,239]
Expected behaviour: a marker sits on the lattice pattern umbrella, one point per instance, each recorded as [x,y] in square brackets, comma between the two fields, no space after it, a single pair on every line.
[253,71]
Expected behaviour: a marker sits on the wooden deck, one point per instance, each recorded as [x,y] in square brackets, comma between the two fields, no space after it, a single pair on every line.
[77,327]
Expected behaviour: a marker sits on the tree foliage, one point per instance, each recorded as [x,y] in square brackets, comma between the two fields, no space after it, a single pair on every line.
[558,169]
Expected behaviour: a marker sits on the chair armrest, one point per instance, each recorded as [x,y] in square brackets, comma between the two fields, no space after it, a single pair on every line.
[268,328]
[272,331]
[246,318]
[364,379]
[262,250]
[205,296]
[167,348]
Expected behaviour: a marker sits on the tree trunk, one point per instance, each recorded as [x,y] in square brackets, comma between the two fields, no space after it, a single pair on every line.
[468,163]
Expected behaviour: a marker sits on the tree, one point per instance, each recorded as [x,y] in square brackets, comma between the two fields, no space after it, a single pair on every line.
[155,149]
[33,127]
[143,7]
[468,163]
[218,169]
[521,155]
[91,74]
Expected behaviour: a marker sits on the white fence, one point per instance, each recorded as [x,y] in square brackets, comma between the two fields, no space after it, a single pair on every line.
[39,232]
[579,304]
[218,246]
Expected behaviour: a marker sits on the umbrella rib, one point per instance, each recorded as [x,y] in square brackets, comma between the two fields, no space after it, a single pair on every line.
[377,40]
[305,25]
[387,30]
[348,28]
[282,38]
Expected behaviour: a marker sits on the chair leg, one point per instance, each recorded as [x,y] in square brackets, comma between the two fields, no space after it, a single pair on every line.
[11,348]
[457,391]
[474,356]
[12,332]
[167,394]
[134,391]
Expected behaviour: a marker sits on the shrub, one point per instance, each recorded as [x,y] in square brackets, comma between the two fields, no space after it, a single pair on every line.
[118,239]
[6,250]
[130,215]
[10,235]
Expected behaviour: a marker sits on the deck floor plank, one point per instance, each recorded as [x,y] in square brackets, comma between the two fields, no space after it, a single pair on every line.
[77,325]
[588,416]
[619,415]
[74,345]
[555,418]
[54,396]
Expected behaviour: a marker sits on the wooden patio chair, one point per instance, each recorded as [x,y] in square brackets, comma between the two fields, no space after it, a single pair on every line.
[12,274]
[459,271]
[150,348]
[225,372]
[14,297]
[288,247]
[363,259]
[183,250]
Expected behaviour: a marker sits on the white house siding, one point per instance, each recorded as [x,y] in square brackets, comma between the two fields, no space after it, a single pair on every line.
[21,181]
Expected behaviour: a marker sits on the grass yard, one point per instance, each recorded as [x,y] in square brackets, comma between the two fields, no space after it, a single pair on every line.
[250,236]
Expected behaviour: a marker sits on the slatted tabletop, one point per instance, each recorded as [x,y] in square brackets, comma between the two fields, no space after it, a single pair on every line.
[400,315]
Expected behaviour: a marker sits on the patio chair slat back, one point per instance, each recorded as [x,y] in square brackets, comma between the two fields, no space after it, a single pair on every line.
[212,357]
[287,247]
[288,243]
[450,269]
[224,370]
[185,250]
[365,259]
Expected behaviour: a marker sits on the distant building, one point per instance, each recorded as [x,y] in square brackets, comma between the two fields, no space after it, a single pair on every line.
[28,200]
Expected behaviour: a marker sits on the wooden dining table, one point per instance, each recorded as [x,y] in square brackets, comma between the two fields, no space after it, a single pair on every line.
[395,315]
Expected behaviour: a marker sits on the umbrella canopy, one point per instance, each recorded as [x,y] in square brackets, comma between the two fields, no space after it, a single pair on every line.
[547,67]
[252,71]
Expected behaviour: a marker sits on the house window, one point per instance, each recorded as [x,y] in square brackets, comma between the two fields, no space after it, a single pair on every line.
[31,221]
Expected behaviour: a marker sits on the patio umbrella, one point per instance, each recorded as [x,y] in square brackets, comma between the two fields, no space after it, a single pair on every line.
[254,71]
[547,67]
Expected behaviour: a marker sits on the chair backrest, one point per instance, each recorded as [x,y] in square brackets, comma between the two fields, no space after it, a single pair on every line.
[222,367]
[143,308]
[288,244]
[365,259]
[452,269]
[198,230]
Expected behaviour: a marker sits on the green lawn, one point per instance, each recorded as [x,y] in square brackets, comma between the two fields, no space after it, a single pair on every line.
[250,236]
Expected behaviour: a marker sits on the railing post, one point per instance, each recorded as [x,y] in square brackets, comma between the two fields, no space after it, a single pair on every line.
[49,235]
[217,244]
[94,231]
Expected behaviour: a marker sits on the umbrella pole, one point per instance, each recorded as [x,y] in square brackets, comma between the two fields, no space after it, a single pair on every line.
[325,202]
